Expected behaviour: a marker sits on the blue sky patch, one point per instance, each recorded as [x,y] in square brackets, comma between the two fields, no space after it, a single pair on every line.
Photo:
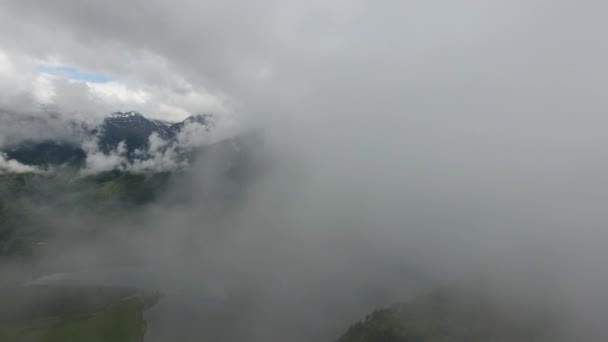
[74,73]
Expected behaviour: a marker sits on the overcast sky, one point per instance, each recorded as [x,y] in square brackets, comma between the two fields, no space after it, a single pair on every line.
[170,58]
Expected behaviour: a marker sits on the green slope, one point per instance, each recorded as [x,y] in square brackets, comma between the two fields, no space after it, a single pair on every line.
[449,316]
[75,314]
[27,198]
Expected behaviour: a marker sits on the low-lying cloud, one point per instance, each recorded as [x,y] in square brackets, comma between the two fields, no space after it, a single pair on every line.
[12,166]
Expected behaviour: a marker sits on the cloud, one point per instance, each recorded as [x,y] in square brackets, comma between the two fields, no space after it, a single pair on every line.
[32,82]
[98,161]
[455,137]
[162,156]
[13,166]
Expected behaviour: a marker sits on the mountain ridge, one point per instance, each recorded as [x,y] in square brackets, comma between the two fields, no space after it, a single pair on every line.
[130,132]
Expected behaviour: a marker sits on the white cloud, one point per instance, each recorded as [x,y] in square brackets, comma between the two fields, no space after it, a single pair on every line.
[214,130]
[152,87]
[161,156]
[13,166]
[43,89]
[116,92]
[98,161]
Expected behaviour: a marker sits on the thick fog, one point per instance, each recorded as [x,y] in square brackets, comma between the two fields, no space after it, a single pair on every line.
[407,145]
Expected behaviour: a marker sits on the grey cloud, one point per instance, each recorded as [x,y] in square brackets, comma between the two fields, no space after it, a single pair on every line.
[38,125]
[460,136]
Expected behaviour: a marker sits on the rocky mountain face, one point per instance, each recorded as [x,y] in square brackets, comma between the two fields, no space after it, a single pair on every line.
[45,152]
[132,128]
[135,129]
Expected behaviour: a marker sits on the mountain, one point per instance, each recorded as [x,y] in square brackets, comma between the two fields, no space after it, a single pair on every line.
[131,127]
[163,123]
[135,129]
[200,119]
[45,152]
[69,187]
